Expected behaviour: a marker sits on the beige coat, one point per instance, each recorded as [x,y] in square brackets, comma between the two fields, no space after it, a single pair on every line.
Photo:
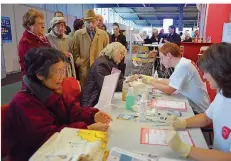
[63,44]
[85,50]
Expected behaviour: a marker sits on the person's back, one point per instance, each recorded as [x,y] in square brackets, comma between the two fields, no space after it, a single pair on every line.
[187,80]
[110,57]
[91,91]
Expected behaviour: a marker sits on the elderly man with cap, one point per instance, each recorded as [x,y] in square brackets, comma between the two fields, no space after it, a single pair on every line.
[60,41]
[67,28]
[57,37]
[87,44]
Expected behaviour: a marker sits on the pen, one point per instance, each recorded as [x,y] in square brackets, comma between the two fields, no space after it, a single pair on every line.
[147,154]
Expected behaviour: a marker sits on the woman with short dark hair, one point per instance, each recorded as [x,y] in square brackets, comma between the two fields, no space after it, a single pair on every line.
[46,105]
[216,65]
[77,25]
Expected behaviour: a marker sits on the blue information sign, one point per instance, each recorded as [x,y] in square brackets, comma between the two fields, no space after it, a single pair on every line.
[6,30]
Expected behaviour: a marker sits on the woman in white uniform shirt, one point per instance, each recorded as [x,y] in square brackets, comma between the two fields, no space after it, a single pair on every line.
[216,64]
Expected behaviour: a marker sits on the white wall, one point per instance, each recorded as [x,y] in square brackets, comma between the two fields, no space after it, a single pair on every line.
[16,12]
[70,21]
[10,49]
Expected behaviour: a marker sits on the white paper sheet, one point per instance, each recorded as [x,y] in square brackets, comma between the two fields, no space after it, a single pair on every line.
[175,105]
[117,154]
[69,144]
[157,136]
[107,91]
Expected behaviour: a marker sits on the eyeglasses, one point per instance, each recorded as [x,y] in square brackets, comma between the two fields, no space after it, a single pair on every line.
[60,25]
[60,72]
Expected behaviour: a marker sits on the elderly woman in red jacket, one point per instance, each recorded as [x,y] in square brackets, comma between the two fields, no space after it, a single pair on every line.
[33,36]
[47,105]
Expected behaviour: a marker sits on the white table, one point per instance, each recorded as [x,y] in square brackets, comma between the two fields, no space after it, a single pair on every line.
[126,134]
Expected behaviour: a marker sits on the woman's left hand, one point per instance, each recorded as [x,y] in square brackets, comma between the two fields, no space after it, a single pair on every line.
[102,117]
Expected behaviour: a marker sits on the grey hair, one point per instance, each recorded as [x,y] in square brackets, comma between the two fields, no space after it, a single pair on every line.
[111,48]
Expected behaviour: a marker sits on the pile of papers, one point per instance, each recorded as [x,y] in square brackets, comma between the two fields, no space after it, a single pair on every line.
[71,143]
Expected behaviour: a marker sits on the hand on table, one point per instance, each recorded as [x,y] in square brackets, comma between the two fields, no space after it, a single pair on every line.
[176,123]
[98,126]
[133,78]
[102,117]
[85,157]
[174,142]
[147,81]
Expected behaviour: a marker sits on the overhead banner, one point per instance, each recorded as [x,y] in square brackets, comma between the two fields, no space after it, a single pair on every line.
[6,30]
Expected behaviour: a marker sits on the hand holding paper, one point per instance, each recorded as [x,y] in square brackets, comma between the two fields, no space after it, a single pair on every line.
[147,81]
[85,158]
[176,123]
[174,142]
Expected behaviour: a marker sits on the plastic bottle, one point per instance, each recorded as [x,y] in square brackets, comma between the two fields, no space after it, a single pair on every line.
[142,107]
[155,76]
[145,94]
[124,90]
[130,98]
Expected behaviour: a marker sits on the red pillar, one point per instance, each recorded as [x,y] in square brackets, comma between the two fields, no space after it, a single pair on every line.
[217,15]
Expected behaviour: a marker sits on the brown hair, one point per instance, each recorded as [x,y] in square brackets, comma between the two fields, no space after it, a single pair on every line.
[30,16]
[171,48]
[78,24]
[57,12]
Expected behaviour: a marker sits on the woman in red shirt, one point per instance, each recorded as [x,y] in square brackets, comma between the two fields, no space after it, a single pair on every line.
[33,36]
